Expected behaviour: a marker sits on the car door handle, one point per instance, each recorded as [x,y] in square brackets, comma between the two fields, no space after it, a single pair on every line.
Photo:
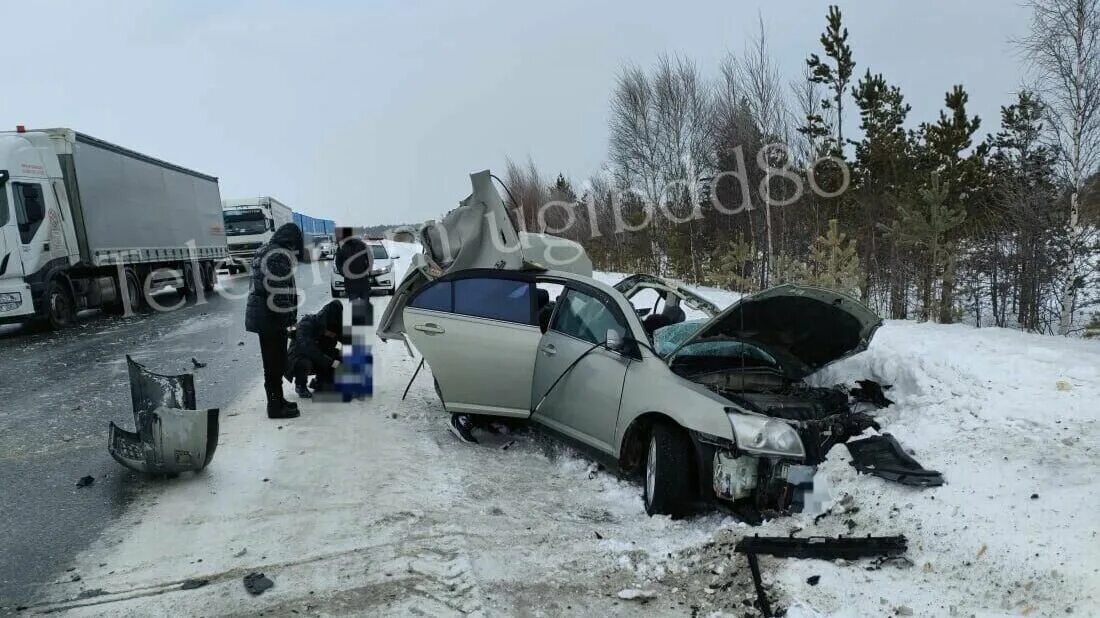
[549,349]
[430,329]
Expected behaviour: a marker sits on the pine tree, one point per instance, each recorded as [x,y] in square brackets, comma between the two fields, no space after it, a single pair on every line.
[834,263]
[883,168]
[733,266]
[962,176]
[837,75]
[1027,211]
[925,225]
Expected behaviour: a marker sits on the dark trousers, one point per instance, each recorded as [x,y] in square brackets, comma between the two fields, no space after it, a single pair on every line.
[273,353]
[357,289]
[325,375]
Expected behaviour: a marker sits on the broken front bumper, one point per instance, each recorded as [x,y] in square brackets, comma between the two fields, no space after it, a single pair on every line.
[767,483]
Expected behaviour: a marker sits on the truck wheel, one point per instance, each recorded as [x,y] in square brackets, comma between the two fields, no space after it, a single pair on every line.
[132,289]
[209,276]
[669,480]
[190,288]
[60,309]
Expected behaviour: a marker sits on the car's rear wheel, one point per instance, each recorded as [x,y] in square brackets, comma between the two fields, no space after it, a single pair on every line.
[669,480]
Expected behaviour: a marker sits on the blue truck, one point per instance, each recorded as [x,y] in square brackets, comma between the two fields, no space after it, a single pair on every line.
[317,234]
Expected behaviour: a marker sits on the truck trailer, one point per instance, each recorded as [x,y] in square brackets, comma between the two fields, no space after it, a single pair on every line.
[249,223]
[85,223]
[315,233]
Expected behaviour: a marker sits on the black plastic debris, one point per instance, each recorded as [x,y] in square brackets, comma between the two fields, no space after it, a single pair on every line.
[172,436]
[197,364]
[822,548]
[85,481]
[191,584]
[871,392]
[256,583]
[813,579]
[882,456]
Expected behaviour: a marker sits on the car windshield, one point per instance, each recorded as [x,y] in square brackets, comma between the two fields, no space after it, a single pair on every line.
[378,252]
[668,338]
[249,222]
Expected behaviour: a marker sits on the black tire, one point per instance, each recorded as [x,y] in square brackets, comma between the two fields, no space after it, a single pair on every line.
[210,276]
[132,288]
[667,475]
[190,289]
[60,307]
[335,292]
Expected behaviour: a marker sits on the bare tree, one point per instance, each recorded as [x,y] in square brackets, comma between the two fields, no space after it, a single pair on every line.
[1063,49]
[751,88]
[660,144]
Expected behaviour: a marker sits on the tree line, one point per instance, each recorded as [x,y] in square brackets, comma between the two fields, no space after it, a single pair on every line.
[742,179]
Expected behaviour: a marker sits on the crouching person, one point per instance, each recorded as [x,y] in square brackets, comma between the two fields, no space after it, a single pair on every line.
[313,350]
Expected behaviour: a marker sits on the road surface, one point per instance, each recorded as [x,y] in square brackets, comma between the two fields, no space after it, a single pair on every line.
[58,392]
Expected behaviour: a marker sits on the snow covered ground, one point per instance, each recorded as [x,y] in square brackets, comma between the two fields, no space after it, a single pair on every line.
[375,509]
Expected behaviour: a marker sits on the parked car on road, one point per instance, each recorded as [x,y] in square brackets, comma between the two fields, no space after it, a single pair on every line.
[714,409]
[382,276]
[326,251]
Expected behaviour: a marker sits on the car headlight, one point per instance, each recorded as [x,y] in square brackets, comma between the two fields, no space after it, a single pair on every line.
[381,271]
[765,436]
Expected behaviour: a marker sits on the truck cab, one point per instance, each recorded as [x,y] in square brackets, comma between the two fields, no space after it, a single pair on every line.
[36,236]
[249,223]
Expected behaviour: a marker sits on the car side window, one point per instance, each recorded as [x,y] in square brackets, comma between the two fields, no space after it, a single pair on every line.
[585,317]
[496,299]
[435,297]
[30,209]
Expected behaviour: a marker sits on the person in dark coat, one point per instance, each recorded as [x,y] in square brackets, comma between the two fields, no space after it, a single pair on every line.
[313,349]
[272,308]
[353,261]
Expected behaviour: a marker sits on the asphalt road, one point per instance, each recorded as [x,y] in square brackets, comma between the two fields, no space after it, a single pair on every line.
[58,390]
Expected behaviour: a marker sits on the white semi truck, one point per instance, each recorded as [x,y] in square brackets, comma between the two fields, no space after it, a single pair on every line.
[85,223]
[249,223]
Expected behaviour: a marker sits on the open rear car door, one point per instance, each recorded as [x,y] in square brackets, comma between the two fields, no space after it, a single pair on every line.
[478,234]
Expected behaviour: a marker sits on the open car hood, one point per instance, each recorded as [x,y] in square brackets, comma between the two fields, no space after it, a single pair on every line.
[803,328]
[478,234]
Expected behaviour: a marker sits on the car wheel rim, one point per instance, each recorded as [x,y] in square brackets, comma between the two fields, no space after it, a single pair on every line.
[651,469]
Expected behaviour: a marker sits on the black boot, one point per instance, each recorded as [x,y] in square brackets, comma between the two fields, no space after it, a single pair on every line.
[277,407]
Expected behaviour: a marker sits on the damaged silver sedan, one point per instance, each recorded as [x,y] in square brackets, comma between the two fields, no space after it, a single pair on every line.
[714,409]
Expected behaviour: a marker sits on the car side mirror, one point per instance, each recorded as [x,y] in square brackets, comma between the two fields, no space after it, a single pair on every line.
[614,340]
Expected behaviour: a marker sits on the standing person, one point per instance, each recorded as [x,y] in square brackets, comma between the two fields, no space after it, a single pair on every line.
[353,261]
[272,308]
[313,350]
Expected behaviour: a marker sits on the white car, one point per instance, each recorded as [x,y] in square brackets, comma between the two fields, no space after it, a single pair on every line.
[326,251]
[381,275]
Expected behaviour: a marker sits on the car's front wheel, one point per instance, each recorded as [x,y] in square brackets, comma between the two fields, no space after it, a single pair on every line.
[669,486]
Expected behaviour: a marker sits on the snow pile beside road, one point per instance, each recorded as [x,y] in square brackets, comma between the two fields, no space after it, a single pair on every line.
[1010,420]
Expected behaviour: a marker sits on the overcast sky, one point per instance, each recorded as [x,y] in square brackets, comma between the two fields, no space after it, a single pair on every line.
[375,112]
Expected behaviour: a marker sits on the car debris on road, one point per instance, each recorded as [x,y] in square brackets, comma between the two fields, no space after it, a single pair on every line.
[821,548]
[171,435]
